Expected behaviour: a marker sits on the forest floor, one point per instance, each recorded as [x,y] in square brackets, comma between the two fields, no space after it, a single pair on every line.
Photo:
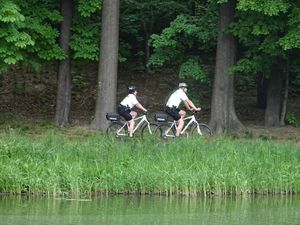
[32,95]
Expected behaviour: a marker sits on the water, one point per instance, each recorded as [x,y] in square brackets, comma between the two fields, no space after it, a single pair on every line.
[132,210]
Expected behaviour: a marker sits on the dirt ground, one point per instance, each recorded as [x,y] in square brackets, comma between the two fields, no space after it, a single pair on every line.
[32,96]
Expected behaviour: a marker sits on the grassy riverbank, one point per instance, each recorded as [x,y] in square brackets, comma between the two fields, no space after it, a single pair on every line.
[53,163]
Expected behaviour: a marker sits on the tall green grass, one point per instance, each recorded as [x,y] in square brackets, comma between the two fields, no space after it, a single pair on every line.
[53,163]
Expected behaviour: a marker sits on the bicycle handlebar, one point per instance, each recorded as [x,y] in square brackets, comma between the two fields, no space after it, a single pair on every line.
[194,111]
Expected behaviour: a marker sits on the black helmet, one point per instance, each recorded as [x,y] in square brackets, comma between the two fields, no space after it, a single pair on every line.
[131,89]
[181,85]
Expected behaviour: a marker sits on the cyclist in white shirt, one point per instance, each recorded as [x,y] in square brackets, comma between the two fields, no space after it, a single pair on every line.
[172,106]
[124,109]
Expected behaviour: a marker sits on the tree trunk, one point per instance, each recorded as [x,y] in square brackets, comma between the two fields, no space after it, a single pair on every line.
[262,87]
[147,48]
[223,116]
[108,64]
[273,109]
[63,99]
[286,95]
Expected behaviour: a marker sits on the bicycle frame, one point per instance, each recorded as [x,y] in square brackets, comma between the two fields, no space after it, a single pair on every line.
[191,119]
[142,119]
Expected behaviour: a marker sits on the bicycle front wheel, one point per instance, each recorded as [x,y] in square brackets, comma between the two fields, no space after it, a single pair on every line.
[151,130]
[116,129]
[203,130]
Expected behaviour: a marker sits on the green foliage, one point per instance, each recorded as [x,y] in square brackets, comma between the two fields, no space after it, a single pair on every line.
[266,7]
[292,38]
[253,63]
[187,42]
[12,40]
[86,29]
[86,37]
[186,36]
[88,7]
[10,12]
[192,68]
[28,32]
[268,32]
[139,19]
[291,119]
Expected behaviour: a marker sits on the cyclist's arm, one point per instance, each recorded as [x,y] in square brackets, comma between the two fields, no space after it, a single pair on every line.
[190,105]
[139,105]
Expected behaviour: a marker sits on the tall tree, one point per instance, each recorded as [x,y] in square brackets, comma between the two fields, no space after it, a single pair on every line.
[63,98]
[108,64]
[267,30]
[273,107]
[223,115]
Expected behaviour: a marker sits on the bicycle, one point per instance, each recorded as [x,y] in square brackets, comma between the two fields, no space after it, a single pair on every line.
[192,128]
[120,129]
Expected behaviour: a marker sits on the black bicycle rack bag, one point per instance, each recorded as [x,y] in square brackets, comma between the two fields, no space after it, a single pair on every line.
[112,116]
[161,117]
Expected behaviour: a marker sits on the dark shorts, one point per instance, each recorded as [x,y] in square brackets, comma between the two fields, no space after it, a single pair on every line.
[174,112]
[124,112]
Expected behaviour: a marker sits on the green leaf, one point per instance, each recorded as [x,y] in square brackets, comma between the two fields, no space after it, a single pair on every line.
[10,12]
[10,60]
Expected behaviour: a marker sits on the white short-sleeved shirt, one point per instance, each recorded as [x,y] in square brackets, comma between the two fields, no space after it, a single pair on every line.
[176,98]
[130,101]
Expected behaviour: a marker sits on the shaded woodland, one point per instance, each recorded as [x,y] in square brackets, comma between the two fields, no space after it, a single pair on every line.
[69,56]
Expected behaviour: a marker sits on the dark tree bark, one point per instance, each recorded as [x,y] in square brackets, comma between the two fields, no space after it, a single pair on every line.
[147,33]
[108,64]
[273,109]
[223,115]
[262,87]
[286,93]
[63,99]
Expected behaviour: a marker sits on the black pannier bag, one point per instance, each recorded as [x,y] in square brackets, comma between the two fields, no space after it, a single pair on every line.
[112,116]
[161,117]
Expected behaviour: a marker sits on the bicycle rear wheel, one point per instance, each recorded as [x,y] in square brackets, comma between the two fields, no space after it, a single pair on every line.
[204,130]
[167,132]
[115,130]
[152,130]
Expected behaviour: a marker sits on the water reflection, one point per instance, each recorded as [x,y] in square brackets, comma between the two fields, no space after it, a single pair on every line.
[132,210]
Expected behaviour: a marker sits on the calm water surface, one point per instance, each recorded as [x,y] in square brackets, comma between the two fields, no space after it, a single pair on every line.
[132,210]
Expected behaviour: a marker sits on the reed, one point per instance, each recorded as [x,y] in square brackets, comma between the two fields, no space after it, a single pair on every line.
[54,163]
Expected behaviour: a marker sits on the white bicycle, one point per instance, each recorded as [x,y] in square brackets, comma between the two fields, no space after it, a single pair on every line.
[192,128]
[120,129]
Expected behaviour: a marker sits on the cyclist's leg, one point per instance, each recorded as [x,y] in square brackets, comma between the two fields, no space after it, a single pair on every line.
[127,114]
[174,113]
[131,122]
[180,122]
